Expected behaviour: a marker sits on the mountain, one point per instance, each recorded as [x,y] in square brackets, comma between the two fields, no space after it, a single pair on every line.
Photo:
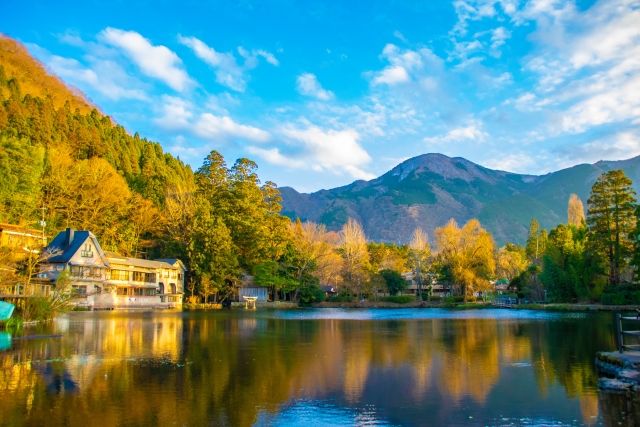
[430,189]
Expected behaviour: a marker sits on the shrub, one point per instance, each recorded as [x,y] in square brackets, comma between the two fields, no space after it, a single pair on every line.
[399,299]
[625,293]
[433,298]
[311,293]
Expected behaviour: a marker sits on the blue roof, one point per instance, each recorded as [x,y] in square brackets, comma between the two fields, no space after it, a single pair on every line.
[59,243]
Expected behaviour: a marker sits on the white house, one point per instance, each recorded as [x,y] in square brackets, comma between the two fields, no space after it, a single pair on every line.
[107,280]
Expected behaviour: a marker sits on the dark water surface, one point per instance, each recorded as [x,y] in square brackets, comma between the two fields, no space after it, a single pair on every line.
[325,367]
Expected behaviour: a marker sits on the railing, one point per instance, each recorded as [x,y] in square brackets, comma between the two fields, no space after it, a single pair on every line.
[504,302]
[23,290]
[622,332]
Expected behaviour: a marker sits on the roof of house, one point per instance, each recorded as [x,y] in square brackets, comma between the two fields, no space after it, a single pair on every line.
[59,244]
[146,263]
[20,229]
[172,261]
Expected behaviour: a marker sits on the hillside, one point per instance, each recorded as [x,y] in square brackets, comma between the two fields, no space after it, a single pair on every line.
[430,189]
[59,152]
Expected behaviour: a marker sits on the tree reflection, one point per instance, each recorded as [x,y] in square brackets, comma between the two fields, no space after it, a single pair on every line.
[228,368]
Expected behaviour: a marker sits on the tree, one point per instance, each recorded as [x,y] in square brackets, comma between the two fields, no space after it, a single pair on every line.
[270,275]
[394,281]
[611,220]
[511,261]
[536,241]
[206,288]
[575,211]
[355,258]
[468,253]
[419,254]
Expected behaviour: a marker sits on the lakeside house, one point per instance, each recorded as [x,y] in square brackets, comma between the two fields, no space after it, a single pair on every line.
[437,289]
[107,280]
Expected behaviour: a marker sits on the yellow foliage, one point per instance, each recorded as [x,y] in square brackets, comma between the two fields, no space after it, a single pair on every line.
[35,79]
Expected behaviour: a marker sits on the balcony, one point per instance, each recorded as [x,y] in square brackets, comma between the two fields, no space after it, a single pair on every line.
[86,254]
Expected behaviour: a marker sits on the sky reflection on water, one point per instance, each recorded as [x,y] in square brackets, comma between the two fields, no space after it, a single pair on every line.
[324,367]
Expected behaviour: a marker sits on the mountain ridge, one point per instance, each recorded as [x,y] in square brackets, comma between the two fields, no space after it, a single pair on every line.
[429,189]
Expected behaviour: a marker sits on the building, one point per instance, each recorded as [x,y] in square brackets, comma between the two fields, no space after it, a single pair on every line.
[107,280]
[437,289]
[21,240]
[247,288]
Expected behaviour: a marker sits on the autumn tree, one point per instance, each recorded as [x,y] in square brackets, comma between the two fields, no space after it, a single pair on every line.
[419,254]
[355,258]
[511,261]
[611,220]
[468,254]
[575,211]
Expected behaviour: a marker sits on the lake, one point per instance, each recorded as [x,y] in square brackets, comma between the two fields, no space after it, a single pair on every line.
[324,367]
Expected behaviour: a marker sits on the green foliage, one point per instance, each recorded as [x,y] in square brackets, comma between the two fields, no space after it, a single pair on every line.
[394,281]
[399,299]
[621,294]
[335,217]
[611,220]
[310,293]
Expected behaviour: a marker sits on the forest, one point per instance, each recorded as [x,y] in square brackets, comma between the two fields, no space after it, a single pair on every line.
[63,159]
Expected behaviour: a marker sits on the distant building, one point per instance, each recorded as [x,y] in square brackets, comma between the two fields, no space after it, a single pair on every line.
[438,289]
[247,288]
[21,240]
[108,280]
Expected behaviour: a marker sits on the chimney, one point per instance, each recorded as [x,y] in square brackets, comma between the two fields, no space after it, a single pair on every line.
[69,239]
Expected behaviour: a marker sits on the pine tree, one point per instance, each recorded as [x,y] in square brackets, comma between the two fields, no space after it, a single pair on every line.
[611,220]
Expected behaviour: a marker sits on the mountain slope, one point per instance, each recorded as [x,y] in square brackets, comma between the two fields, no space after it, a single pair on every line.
[428,190]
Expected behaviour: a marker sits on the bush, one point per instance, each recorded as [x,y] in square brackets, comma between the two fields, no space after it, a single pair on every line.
[625,293]
[399,299]
[311,293]
[433,298]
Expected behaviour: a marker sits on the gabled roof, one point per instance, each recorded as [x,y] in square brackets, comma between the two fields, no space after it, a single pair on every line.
[66,252]
[172,261]
[146,263]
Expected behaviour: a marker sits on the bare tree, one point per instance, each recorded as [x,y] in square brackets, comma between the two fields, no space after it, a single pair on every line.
[419,255]
[355,257]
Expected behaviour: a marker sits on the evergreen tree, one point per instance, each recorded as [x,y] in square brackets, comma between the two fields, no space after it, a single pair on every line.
[611,220]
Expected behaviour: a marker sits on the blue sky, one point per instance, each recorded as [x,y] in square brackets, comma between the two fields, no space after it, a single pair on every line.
[322,93]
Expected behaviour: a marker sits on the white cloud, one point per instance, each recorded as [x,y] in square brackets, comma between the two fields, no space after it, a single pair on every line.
[587,62]
[318,149]
[154,61]
[274,157]
[227,70]
[105,76]
[514,162]
[211,127]
[620,145]
[397,34]
[403,62]
[177,113]
[472,132]
[498,37]
[331,149]
[307,84]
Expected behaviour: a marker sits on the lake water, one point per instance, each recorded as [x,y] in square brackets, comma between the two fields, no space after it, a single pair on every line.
[324,367]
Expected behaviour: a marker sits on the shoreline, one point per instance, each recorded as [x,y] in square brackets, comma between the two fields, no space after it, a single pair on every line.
[479,306]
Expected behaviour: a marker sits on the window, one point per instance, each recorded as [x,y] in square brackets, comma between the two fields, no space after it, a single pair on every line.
[123,291]
[179,276]
[150,277]
[76,271]
[173,274]
[80,290]
[150,292]
[138,291]
[87,252]
[60,267]
[120,275]
[138,276]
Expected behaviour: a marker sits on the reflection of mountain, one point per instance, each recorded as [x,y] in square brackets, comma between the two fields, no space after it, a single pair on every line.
[234,368]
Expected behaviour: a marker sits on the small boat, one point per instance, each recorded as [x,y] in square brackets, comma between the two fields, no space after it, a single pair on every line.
[6,310]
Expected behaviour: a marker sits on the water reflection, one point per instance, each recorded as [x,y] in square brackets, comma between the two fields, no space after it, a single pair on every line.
[282,368]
